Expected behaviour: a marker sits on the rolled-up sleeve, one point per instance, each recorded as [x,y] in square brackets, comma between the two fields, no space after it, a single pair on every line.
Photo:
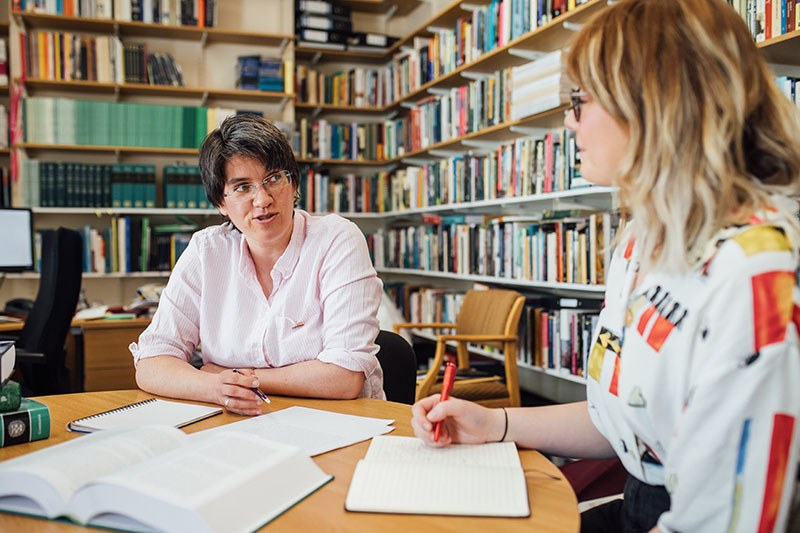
[350,293]
[175,329]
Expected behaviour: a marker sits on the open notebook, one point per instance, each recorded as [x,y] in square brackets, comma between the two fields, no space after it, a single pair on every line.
[147,412]
[403,475]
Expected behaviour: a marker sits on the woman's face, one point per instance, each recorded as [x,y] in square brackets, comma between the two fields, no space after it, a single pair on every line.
[265,218]
[601,140]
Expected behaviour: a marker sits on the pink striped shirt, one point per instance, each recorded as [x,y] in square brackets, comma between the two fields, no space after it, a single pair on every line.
[323,303]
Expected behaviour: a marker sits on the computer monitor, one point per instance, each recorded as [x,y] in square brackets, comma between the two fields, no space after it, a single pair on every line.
[16,240]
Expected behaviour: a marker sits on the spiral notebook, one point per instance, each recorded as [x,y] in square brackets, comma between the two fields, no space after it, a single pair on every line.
[145,413]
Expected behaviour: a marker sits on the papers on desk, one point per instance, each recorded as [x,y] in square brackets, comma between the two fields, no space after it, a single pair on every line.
[403,475]
[312,430]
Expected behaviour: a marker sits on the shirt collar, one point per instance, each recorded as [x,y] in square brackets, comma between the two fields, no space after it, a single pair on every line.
[288,260]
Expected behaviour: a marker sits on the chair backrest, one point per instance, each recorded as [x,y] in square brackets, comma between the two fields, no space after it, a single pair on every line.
[399,364]
[490,312]
[47,324]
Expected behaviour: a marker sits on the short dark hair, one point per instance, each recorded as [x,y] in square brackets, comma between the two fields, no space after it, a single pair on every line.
[244,135]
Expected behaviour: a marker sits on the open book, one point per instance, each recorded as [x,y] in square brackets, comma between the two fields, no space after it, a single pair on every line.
[159,478]
[403,475]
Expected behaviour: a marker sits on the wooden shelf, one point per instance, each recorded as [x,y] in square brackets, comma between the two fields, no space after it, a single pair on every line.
[120,149]
[382,7]
[142,29]
[316,54]
[97,275]
[345,162]
[5,151]
[141,89]
[782,50]
[594,197]
[112,211]
[565,289]
[299,106]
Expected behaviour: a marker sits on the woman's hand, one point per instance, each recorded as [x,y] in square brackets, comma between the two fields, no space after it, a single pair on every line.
[463,422]
[233,391]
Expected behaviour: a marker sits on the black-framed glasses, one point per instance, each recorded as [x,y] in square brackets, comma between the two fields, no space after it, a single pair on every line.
[272,184]
[577,97]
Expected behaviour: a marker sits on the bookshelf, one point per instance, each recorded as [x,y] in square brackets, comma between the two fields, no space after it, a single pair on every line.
[242,27]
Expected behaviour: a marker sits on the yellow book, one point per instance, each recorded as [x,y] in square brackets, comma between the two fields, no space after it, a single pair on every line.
[288,77]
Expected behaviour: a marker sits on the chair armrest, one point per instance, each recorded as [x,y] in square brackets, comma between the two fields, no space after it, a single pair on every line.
[420,325]
[24,356]
[475,338]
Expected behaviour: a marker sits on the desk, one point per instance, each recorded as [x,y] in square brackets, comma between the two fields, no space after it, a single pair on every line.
[97,352]
[553,504]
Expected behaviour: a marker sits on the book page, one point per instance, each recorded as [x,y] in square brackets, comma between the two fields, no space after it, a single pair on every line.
[314,431]
[52,475]
[403,475]
[224,481]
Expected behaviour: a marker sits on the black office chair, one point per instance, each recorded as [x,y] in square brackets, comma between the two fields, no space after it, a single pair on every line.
[40,345]
[399,364]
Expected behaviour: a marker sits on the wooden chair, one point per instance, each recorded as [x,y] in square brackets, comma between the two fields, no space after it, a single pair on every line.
[489,318]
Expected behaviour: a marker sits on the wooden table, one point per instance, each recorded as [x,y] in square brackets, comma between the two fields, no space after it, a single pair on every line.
[553,504]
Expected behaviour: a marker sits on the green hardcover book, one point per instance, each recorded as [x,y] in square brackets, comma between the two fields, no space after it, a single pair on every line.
[188,127]
[73,188]
[30,422]
[201,126]
[138,179]
[191,188]
[150,186]
[202,201]
[168,179]
[128,186]
[60,185]
[180,188]
[105,178]
[116,185]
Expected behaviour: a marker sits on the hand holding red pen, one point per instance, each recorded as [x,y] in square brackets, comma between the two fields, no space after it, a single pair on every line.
[447,386]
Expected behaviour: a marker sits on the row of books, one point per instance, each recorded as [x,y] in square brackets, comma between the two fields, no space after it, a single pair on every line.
[260,73]
[68,184]
[768,19]
[461,110]
[572,250]
[358,86]
[63,121]
[55,55]
[437,118]
[201,13]
[488,27]
[790,87]
[321,139]
[556,339]
[522,167]
[132,244]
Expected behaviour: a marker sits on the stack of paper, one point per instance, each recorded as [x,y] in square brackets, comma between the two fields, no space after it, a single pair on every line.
[312,430]
[539,86]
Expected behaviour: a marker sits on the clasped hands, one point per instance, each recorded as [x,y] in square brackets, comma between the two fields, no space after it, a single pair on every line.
[233,389]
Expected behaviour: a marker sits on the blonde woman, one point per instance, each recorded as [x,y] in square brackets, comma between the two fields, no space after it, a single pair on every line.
[694,378]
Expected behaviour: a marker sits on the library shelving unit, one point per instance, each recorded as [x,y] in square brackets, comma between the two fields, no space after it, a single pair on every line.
[208,57]
[549,37]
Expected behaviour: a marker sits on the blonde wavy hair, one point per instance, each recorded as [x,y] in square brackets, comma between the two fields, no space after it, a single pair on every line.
[712,138]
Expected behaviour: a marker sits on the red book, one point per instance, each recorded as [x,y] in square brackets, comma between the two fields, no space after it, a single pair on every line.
[790,16]
[768,19]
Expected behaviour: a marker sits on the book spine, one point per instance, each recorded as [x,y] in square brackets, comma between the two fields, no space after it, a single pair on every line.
[30,423]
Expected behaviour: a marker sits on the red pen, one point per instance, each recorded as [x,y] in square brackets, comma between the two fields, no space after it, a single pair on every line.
[447,386]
